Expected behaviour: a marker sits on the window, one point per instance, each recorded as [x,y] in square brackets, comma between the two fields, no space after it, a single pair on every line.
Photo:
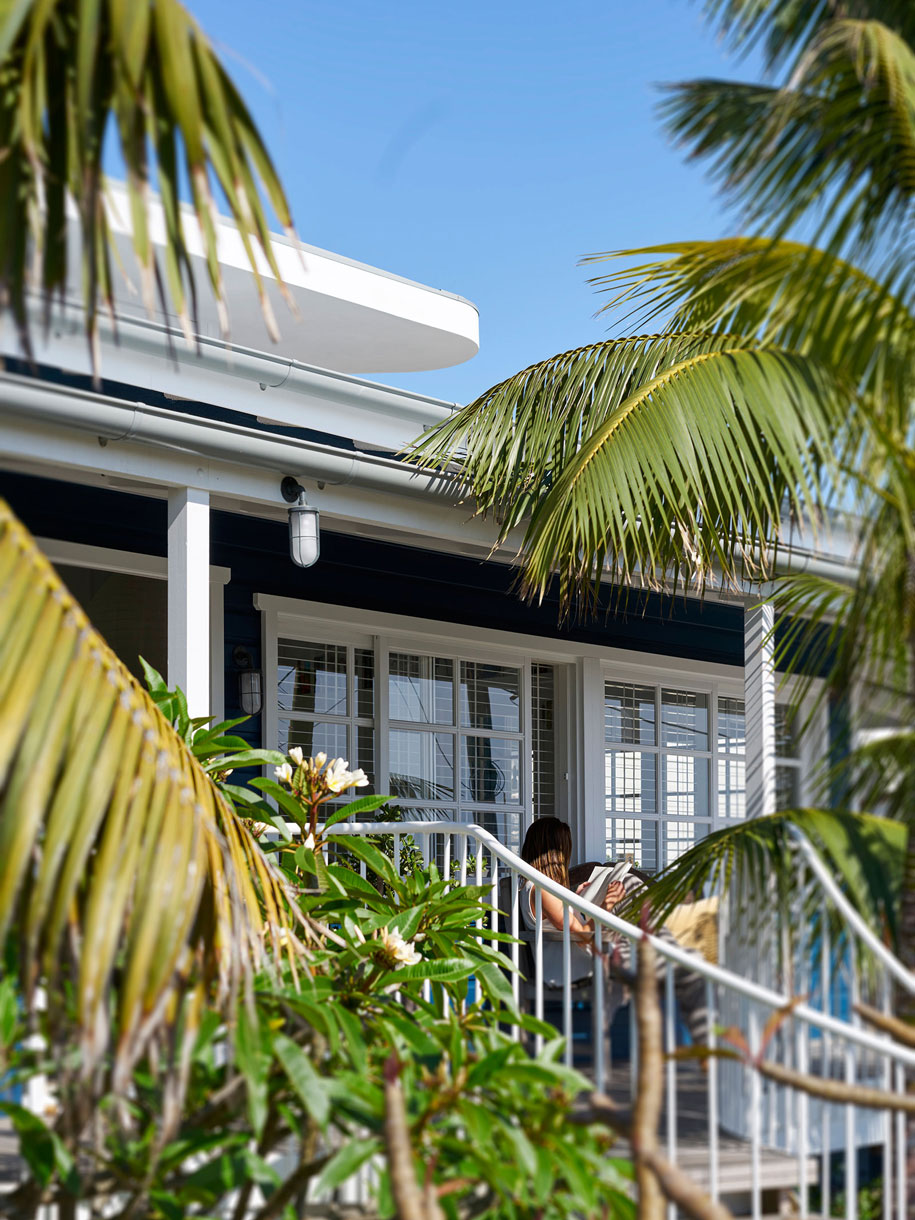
[449,731]
[456,739]
[657,764]
[543,740]
[326,695]
[662,750]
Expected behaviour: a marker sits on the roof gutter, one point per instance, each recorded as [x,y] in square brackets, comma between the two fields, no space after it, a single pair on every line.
[114,419]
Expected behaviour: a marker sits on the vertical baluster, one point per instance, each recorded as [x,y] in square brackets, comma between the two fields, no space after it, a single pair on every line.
[516,982]
[900,1147]
[424,849]
[712,1083]
[851,1056]
[567,983]
[463,855]
[494,896]
[599,1075]
[633,1041]
[887,1158]
[826,1045]
[397,862]
[447,860]
[755,1115]
[801,1029]
[670,1045]
[538,964]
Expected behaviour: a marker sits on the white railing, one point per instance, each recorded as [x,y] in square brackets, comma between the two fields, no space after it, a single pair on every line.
[786,1141]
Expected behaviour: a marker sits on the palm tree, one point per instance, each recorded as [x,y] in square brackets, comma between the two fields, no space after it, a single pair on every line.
[82,75]
[780,385]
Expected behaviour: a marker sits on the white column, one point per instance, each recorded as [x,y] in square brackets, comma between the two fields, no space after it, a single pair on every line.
[590,826]
[189,596]
[759,696]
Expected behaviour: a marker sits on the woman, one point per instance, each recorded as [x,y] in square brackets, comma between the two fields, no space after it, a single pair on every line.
[548,848]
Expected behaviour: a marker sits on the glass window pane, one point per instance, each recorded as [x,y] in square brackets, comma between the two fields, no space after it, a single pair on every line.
[364,681]
[630,778]
[629,714]
[684,720]
[312,678]
[787,787]
[420,689]
[785,737]
[685,786]
[505,826]
[314,736]
[732,788]
[490,697]
[490,770]
[422,765]
[678,837]
[634,840]
[732,726]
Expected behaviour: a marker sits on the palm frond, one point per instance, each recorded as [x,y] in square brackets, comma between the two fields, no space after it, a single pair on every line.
[127,881]
[665,456]
[785,26]
[780,292]
[755,860]
[79,72]
[835,144]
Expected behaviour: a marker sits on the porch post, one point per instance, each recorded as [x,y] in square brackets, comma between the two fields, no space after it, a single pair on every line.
[590,827]
[759,698]
[189,596]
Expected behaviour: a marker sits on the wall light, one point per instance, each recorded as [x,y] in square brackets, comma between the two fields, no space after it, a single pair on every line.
[250,690]
[304,524]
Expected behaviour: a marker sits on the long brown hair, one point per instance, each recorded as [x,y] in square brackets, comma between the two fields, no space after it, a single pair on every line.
[548,847]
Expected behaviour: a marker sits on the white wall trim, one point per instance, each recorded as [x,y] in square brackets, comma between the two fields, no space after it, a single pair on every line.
[293,613]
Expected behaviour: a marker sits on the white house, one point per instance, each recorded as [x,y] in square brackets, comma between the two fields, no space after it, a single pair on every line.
[404,648]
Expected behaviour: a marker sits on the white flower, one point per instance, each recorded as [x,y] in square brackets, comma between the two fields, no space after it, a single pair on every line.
[403,952]
[296,755]
[319,760]
[338,777]
[309,843]
[283,773]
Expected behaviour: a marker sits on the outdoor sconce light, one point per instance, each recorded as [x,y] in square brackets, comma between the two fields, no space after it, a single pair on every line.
[250,694]
[304,526]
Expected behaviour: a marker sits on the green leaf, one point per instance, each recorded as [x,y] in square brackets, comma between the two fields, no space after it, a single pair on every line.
[36,1141]
[253,1057]
[313,1090]
[344,1163]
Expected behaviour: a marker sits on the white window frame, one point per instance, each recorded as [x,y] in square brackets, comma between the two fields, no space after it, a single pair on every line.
[287,619]
[581,672]
[154,567]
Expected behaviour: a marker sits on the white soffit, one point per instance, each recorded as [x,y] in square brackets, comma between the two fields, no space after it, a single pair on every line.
[352,318]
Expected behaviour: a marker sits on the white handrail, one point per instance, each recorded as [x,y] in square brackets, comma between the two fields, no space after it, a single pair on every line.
[852,917]
[693,962]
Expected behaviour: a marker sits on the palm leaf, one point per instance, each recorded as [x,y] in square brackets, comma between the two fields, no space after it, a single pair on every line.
[128,882]
[79,72]
[755,862]
[664,456]
[836,143]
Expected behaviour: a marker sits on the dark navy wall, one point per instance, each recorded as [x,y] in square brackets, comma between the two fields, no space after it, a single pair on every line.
[364,573]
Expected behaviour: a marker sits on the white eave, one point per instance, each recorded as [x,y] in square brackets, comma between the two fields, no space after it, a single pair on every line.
[352,318]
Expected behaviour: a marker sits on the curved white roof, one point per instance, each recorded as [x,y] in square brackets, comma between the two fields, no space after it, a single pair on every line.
[352,318]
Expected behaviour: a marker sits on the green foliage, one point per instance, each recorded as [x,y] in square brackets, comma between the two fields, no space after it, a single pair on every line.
[78,75]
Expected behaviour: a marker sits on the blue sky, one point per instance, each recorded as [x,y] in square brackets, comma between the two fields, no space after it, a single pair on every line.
[479,147]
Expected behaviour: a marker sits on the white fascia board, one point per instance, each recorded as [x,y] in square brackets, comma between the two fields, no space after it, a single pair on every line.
[269,387]
[348,315]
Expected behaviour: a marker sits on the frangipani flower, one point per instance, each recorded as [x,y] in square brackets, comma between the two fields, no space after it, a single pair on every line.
[296,755]
[283,773]
[399,952]
[338,777]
